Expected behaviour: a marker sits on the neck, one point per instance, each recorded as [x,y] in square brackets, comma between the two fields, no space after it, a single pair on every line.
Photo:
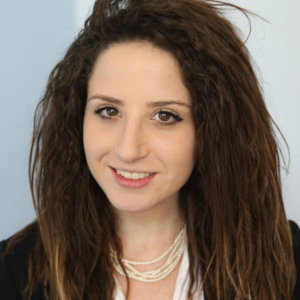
[146,235]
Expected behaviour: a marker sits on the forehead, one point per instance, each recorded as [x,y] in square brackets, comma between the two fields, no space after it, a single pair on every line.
[138,67]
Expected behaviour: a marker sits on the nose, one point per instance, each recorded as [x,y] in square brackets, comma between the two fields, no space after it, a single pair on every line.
[132,142]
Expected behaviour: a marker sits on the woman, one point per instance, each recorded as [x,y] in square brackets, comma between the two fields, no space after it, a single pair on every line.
[153,151]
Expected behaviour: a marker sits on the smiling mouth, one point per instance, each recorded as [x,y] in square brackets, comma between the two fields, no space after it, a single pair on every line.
[132,175]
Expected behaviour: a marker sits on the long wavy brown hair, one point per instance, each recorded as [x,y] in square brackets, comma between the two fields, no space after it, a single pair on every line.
[239,238]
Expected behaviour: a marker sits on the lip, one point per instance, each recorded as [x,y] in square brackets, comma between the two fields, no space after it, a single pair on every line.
[132,183]
[131,171]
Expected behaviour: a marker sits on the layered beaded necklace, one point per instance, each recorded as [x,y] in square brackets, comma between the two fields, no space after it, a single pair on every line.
[173,254]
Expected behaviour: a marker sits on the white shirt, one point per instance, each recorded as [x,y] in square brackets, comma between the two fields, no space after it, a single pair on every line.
[182,283]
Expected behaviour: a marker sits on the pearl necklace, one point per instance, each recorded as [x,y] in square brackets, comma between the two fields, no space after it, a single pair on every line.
[175,252]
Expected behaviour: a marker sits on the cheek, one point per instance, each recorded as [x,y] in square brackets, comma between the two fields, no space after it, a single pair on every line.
[88,138]
[95,140]
[178,152]
[183,158]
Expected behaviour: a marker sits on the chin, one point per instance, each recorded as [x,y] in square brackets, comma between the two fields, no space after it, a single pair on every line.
[131,207]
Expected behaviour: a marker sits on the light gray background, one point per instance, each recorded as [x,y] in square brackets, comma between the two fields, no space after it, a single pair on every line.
[34,36]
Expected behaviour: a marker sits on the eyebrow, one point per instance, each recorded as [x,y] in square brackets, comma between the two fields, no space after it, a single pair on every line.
[150,104]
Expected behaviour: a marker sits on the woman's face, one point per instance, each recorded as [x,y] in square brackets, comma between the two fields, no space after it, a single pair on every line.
[138,133]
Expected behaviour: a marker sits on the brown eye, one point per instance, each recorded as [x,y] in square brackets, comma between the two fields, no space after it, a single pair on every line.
[111,111]
[164,116]
[107,112]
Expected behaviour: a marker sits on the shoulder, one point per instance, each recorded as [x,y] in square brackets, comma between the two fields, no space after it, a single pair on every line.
[296,245]
[14,255]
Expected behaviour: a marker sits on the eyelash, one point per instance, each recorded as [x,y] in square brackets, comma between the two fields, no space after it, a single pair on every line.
[99,111]
[176,118]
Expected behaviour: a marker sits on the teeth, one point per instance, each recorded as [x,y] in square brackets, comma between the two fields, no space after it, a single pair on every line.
[129,175]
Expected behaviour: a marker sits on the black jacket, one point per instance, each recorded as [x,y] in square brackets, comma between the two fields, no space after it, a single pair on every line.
[13,268]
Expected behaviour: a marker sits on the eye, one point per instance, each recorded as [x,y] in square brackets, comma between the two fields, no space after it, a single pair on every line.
[107,112]
[166,117]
